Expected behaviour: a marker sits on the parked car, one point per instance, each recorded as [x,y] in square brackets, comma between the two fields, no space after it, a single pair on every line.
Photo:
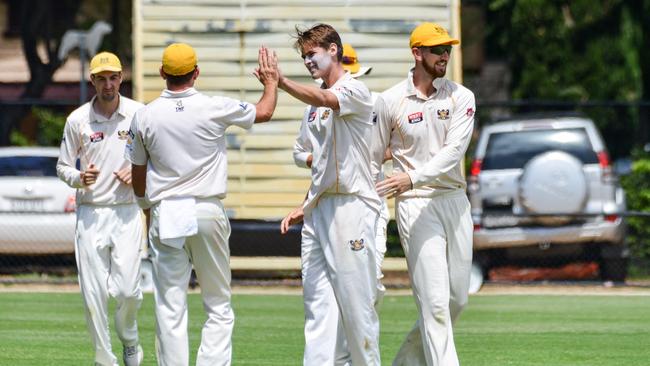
[543,191]
[37,209]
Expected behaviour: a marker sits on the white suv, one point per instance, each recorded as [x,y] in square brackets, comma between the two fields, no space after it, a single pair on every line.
[542,188]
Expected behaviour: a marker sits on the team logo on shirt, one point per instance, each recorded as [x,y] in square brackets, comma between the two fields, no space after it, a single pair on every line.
[470,112]
[357,244]
[97,137]
[325,114]
[374,117]
[179,106]
[312,116]
[122,135]
[443,114]
[243,106]
[415,117]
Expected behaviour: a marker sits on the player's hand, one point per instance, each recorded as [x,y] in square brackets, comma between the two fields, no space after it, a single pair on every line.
[267,71]
[294,217]
[394,186]
[89,176]
[124,175]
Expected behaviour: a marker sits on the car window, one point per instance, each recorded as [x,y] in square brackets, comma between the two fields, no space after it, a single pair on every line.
[512,150]
[28,166]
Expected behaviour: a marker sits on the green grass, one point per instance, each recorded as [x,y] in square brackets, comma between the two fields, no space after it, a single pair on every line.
[49,329]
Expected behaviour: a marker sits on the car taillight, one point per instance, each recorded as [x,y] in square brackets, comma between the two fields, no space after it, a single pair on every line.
[611,218]
[606,169]
[70,204]
[475,170]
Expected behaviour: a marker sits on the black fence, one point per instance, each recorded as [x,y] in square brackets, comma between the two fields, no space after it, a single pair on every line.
[26,256]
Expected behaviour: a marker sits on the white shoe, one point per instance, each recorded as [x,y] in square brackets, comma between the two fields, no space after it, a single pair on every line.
[132,355]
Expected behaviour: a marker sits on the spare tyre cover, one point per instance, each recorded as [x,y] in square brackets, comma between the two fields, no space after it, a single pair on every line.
[553,182]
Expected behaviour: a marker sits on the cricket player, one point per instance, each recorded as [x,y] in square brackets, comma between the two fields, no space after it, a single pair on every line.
[109,233]
[427,122]
[303,157]
[178,155]
[341,209]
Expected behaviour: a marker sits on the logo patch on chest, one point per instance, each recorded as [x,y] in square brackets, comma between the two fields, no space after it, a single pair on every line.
[312,116]
[325,114]
[415,117]
[122,135]
[443,114]
[357,245]
[97,137]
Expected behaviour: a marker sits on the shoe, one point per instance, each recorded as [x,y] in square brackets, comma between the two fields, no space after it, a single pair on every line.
[132,355]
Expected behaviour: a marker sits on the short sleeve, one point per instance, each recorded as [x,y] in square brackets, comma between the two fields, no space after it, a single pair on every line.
[135,151]
[236,113]
[354,98]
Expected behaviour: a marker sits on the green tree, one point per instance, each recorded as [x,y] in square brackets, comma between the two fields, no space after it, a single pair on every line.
[578,51]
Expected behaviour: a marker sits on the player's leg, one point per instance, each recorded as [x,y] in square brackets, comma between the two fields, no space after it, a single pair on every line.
[210,254]
[346,228]
[124,280]
[171,275]
[380,252]
[92,253]
[457,219]
[411,352]
[321,309]
[425,247]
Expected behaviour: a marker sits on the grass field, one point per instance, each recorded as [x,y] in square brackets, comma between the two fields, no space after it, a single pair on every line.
[49,329]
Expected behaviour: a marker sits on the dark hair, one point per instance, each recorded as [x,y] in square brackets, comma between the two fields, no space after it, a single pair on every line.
[178,80]
[322,35]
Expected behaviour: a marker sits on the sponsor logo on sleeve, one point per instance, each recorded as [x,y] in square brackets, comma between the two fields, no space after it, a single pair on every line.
[244,106]
[415,117]
[97,137]
[443,114]
[470,112]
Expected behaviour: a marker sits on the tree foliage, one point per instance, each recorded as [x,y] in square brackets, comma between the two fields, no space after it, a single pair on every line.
[578,51]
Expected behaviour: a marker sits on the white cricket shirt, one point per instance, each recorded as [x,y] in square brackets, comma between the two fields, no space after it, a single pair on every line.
[180,136]
[96,139]
[428,136]
[340,144]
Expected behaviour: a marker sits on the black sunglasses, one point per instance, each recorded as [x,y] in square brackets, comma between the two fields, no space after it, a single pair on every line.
[440,49]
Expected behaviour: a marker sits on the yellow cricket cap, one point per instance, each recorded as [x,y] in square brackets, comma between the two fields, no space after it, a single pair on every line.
[105,61]
[350,61]
[178,59]
[430,34]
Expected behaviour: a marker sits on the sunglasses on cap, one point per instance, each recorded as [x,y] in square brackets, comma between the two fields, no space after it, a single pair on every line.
[348,60]
[439,49]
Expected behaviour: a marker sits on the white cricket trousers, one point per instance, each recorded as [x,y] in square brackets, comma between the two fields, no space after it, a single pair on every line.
[339,279]
[436,234]
[107,249]
[209,253]
[342,354]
